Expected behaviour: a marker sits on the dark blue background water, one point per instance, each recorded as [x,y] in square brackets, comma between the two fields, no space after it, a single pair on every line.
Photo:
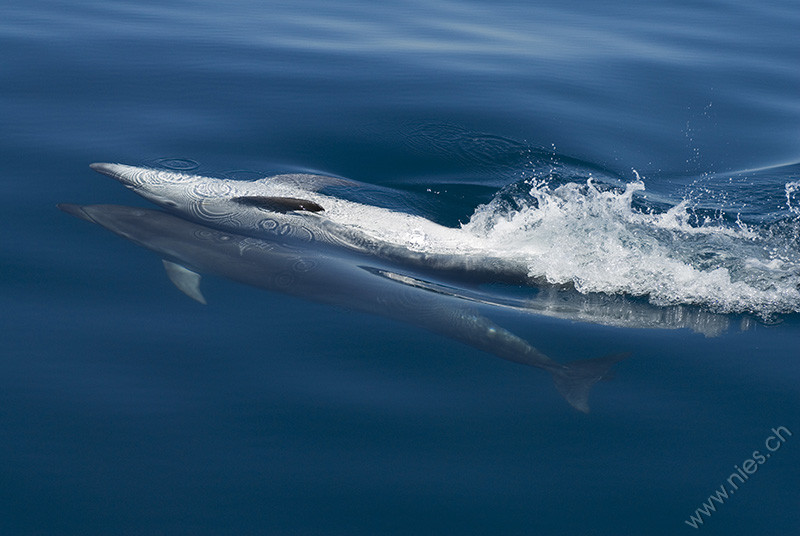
[126,408]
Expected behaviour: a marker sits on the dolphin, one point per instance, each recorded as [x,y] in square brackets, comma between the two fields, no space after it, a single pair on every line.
[295,207]
[299,268]
[299,208]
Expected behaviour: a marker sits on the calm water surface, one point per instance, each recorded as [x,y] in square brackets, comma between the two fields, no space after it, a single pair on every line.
[634,149]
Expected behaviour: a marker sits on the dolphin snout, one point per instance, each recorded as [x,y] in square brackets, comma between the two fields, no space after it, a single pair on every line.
[105,169]
[122,173]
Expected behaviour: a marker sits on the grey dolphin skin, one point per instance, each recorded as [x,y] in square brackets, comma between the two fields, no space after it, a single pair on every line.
[302,269]
[255,208]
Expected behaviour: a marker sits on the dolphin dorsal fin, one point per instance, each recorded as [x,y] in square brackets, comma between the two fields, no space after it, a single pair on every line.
[186,280]
[279,204]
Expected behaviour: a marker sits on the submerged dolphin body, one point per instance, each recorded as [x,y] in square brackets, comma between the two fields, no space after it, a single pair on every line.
[302,269]
[292,207]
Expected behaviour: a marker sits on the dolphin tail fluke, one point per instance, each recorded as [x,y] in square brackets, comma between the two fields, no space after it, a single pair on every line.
[576,379]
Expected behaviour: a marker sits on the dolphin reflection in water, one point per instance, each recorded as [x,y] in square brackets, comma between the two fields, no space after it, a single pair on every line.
[355,281]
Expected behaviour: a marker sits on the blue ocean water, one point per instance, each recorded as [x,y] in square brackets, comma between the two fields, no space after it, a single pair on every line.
[643,152]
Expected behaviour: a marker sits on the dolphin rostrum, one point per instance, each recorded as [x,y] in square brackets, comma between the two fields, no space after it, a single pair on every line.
[344,279]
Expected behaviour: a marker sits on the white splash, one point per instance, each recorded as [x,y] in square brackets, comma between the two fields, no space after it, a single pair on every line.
[793,197]
[595,239]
